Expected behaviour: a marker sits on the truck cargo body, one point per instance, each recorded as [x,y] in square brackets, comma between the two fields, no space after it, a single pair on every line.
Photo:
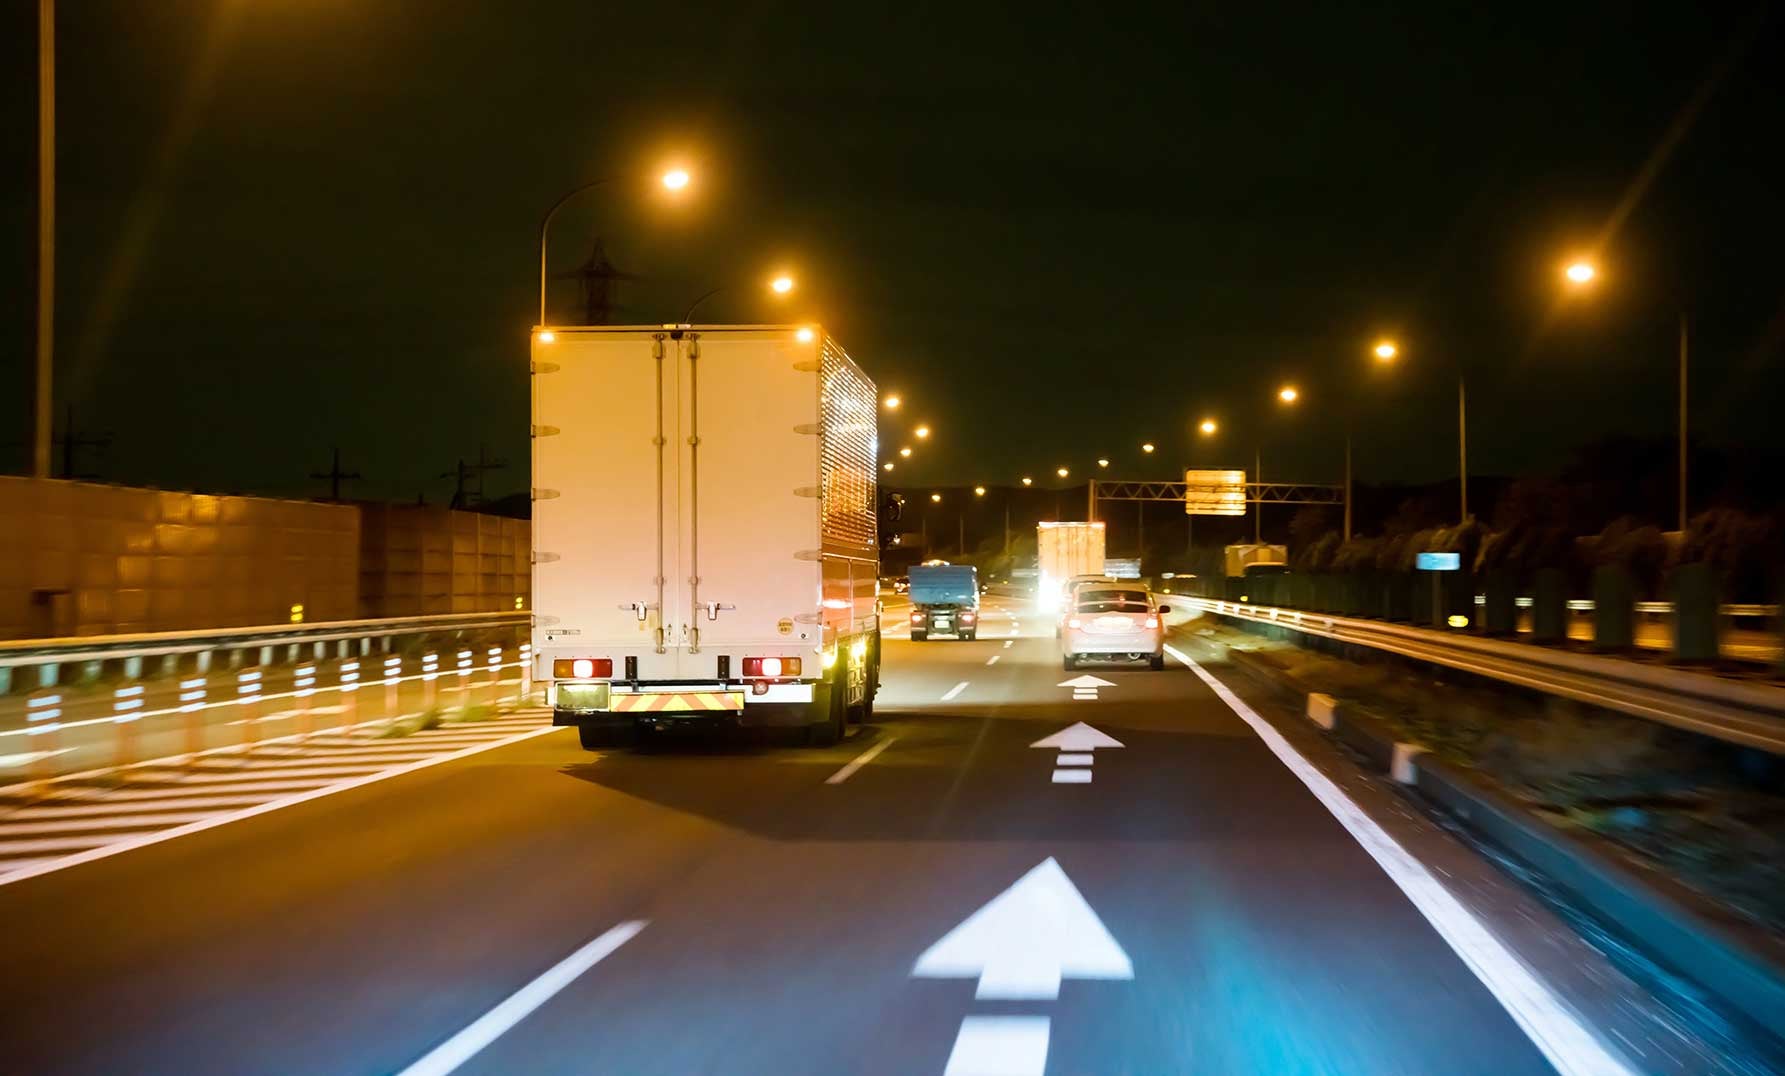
[944,601]
[704,529]
[1065,550]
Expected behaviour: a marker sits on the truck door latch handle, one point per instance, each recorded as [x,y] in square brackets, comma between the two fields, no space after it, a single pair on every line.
[640,609]
[715,608]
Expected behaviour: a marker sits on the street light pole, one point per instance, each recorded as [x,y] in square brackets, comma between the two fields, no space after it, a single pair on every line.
[1683,356]
[1462,449]
[1258,496]
[46,235]
[545,225]
[1348,483]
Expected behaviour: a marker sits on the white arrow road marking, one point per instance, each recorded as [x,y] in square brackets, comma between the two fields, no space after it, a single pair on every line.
[1074,760]
[489,1027]
[999,1046]
[1081,696]
[1026,939]
[1086,680]
[1072,777]
[955,690]
[1079,737]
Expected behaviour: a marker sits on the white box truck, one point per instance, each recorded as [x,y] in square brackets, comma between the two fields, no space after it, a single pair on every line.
[1063,552]
[705,530]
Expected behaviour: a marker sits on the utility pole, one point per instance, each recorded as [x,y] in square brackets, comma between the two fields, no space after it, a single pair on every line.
[464,473]
[46,235]
[1462,450]
[335,475]
[1258,496]
[1682,424]
[71,442]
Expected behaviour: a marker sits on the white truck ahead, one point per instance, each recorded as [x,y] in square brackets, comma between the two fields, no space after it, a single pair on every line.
[1063,552]
[705,530]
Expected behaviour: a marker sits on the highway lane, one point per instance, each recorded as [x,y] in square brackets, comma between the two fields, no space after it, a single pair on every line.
[784,915]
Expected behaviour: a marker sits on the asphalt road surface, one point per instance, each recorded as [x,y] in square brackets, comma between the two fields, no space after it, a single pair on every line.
[930,896]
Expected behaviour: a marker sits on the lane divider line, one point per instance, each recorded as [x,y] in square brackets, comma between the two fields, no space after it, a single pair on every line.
[953,691]
[993,660]
[858,762]
[489,1027]
[1553,1027]
[120,847]
[1008,643]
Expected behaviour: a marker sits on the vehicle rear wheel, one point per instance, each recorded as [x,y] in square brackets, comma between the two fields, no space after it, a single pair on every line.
[1069,662]
[1158,662]
[830,731]
[919,636]
[969,636]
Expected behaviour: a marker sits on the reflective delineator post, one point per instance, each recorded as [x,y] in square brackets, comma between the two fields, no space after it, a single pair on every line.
[192,703]
[127,704]
[495,665]
[349,688]
[43,722]
[430,672]
[464,681]
[393,678]
[248,698]
[303,683]
[526,687]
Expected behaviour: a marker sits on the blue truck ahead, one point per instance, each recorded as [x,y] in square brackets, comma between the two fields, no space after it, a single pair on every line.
[944,601]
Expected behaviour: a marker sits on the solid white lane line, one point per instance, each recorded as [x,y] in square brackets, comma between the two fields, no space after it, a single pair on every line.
[993,660]
[999,1046]
[1073,760]
[858,762]
[955,690]
[1549,1023]
[1072,777]
[489,1027]
[117,847]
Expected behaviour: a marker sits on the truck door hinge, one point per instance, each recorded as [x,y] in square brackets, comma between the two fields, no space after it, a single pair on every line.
[546,431]
[545,494]
[546,558]
[543,367]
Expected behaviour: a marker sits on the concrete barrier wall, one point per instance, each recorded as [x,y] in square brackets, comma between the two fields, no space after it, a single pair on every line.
[84,559]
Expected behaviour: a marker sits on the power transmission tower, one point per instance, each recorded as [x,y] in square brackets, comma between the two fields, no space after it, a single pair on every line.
[335,475]
[597,278]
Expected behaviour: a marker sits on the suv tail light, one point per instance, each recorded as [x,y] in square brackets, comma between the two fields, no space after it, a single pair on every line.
[1152,622]
[1073,623]
[771,668]
[582,668]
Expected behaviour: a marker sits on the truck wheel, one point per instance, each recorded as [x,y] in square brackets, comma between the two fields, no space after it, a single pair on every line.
[919,636]
[969,636]
[1069,662]
[829,732]
[1158,662]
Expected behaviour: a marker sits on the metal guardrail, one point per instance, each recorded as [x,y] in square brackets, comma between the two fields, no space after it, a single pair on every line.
[1587,605]
[1752,715]
[158,644]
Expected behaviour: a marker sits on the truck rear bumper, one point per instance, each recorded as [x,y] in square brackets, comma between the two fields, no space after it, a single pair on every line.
[576,704]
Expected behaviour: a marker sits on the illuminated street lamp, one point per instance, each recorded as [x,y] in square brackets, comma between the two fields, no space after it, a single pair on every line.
[905,452]
[674,180]
[1580,272]
[1102,463]
[935,498]
[1063,472]
[1027,481]
[979,491]
[1148,448]
[891,403]
[780,285]
[887,466]
[804,335]
[1208,427]
[1288,394]
[1386,351]
[921,432]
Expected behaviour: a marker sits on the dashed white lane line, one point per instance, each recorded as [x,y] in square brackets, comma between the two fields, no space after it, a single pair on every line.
[1072,777]
[489,1027]
[993,660]
[1550,1024]
[999,1046]
[953,691]
[858,762]
[1008,643]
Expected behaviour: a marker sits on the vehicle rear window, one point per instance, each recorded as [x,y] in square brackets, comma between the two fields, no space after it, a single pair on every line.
[1112,601]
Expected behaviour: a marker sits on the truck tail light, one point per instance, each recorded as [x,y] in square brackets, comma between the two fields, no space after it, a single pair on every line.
[968,616]
[771,668]
[582,668]
[917,618]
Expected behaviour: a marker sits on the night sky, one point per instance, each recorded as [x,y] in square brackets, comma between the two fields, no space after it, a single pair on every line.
[292,224]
